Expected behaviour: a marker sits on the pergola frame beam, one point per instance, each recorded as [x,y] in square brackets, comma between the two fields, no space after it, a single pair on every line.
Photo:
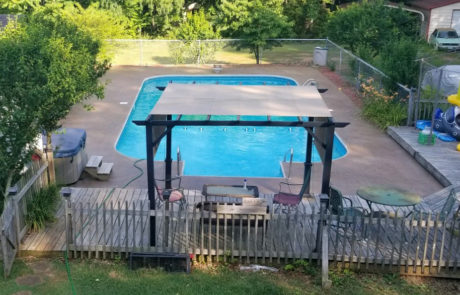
[169,124]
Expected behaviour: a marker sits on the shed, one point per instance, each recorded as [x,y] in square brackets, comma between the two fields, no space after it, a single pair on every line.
[438,14]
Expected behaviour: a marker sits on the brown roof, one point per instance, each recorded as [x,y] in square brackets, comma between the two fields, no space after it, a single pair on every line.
[431,4]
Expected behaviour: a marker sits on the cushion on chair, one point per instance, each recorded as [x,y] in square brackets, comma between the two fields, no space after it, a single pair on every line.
[286,199]
[175,196]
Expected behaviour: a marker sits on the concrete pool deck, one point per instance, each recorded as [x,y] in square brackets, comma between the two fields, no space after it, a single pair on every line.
[372,158]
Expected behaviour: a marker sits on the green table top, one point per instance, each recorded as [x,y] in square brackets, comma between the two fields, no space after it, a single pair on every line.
[390,196]
[235,191]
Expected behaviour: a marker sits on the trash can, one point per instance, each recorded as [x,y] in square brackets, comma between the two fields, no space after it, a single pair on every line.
[69,154]
[320,56]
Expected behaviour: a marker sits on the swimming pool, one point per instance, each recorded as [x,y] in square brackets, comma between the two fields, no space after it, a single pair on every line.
[220,151]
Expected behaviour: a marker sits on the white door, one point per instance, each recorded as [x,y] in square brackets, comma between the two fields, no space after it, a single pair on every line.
[456,21]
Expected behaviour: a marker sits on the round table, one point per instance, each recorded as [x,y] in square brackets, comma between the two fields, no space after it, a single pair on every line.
[389,196]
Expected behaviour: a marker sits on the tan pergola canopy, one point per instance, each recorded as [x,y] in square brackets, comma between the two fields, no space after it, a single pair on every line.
[197,99]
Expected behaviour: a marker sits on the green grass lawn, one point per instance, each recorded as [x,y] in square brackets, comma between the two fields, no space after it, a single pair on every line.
[157,52]
[439,57]
[103,277]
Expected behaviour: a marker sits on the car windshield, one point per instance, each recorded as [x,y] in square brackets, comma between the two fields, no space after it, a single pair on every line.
[447,34]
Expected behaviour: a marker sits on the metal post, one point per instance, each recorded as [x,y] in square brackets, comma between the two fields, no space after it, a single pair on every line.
[410,108]
[178,162]
[308,164]
[436,102]
[358,76]
[150,165]
[417,107]
[151,180]
[141,61]
[290,163]
[327,165]
[199,52]
[340,60]
[168,159]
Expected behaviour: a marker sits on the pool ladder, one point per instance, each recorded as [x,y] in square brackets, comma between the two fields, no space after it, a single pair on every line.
[178,161]
[310,82]
[291,156]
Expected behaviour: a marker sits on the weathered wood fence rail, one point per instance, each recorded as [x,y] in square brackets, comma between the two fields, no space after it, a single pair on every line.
[423,244]
[12,221]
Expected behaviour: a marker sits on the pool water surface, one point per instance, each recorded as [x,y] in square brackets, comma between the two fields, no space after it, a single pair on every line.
[221,151]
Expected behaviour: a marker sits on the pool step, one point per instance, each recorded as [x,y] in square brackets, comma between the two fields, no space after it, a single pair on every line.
[98,169]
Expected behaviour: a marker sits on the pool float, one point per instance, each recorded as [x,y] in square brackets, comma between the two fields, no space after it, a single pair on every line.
[449,121]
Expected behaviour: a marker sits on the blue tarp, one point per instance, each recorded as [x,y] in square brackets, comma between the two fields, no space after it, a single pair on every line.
[67,142]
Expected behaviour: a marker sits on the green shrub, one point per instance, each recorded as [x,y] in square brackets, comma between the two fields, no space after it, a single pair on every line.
[331,65]
[41,207]
[302,266]
[397,60]
[381,108]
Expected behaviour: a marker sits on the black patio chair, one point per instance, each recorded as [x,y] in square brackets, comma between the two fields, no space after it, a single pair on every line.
[346,215]
[446,210]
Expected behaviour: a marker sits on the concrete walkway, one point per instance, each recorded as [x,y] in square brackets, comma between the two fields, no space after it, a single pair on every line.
[373,157]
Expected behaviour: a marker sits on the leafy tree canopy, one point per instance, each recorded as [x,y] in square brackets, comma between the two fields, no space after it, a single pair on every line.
[195,27]
[255,22]
[309,16]
[48,64]
[370,25]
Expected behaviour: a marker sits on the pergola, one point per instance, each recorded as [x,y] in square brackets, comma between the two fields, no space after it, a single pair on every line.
[204,105]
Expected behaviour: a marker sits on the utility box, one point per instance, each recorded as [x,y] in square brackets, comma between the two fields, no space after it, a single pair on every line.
[69,154]
[320,56]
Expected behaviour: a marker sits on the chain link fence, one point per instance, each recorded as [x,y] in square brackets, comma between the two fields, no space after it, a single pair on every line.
[435,84]
[352,69]
[356,71]
[221,51]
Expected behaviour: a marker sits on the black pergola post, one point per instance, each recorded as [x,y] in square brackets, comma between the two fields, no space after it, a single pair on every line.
[308,164]
[327,164]
[150,180]
[168,159]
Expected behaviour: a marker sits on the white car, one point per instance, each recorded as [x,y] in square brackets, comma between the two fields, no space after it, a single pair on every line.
[445,38]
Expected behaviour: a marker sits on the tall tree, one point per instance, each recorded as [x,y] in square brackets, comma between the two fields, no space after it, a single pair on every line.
[255,22]
[189,50]
[309,16]
[47,64]
[369,25]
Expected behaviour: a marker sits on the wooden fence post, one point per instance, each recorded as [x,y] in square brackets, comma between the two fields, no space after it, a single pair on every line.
[66,194]
[325,282]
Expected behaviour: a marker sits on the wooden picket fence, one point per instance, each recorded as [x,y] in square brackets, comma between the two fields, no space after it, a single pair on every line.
[424,244]
[12,221]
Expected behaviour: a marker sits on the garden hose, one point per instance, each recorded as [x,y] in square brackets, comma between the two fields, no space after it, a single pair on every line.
[68,273]
[86,223]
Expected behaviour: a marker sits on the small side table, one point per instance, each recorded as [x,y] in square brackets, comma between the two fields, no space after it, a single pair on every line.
[389,196]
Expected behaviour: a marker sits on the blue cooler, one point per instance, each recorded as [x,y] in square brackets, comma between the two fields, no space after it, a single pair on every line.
[69,154]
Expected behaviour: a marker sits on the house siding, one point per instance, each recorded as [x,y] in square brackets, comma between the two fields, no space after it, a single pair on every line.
[441,17]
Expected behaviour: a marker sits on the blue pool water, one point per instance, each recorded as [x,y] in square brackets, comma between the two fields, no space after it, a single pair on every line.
[220,151]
